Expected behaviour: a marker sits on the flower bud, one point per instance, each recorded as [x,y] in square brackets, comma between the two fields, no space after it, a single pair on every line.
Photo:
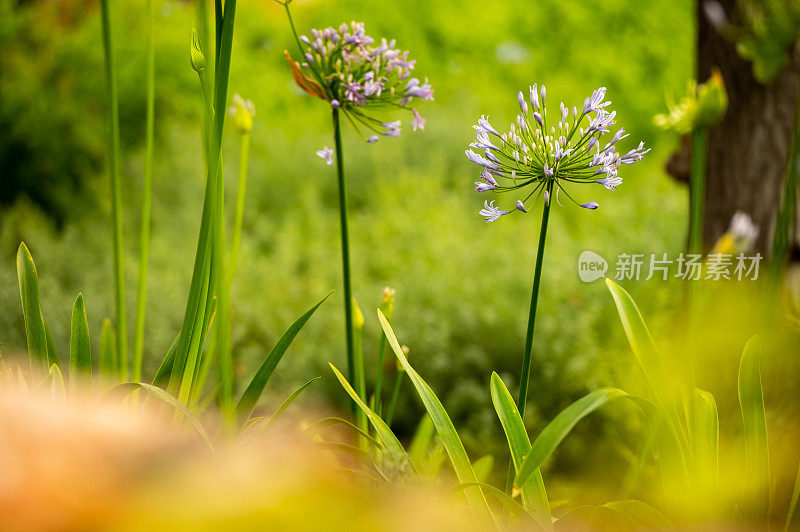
[358,317]
[387,302]
[198,58]
[242,112]
[712,101]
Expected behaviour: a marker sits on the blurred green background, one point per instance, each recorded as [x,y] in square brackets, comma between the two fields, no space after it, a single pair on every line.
[463,286]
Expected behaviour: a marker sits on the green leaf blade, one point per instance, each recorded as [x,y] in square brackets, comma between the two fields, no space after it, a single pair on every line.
[552,435]
[390,442]
[447,431]
[751,399]
[80,347]
[32,311]
[253,392]
[534,496]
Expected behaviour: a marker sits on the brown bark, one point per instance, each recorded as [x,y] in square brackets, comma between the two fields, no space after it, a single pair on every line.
[748,152]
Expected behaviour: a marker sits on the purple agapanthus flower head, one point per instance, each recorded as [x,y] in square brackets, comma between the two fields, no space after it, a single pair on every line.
[357,73]
[539,158]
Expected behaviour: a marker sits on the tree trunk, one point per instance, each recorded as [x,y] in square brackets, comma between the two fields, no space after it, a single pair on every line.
[748,152]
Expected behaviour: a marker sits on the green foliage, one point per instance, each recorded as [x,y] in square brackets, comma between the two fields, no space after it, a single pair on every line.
[555,431]
[413,194]
[258,383]
[534,496]
[120,391]
[31,310]
[444,426]
[80,347]
[757,500]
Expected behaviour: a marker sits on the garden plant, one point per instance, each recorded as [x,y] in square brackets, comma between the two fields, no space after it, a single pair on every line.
[690,426]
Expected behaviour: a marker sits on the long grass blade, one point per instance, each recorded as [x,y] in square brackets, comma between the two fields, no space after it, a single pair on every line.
[534,496]
[120,391]
[282,408]
[80,347]
[641,341]
[757,496]
[705,442]
[420,443]
[483,467]
[116,187]
[32,311]
[259,381]
[325,423]
[446,430]
[510,504]
[651,364]
[359,455]
[391,444]
[147,194]
[552,435]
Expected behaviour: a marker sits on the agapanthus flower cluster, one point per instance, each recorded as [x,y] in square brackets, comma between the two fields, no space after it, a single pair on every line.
[538,158]
[349,69]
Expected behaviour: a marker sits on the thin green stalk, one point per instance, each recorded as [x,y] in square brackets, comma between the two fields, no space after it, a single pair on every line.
[698,190]
[537,274]
[147,193]
[224,356]
[398,381]
[244,154]
[525,375]
[209,266]
[116,190]
[224,363]
[348,294]
[379,375]
[387,307]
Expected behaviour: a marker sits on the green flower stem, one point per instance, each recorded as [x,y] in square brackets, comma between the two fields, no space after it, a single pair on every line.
[398,381]
[388,311]
[698,190]
[348,293]
[223,335]
[528,354]
[208,266]
[244,154]
[537,274]
[147,193]
[116,192]
[218,280]
[379,375]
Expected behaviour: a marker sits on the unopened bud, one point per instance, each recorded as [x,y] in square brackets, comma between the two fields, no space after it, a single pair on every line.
[242,112]
[712,101]
[358,317]
[387,302]
[198,58]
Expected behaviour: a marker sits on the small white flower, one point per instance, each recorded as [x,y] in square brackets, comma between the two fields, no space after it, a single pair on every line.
[491,213]
[327,154]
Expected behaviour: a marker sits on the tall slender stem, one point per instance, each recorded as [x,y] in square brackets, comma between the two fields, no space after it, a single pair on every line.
[528,354]
[116,192]
[348,294]
[241,194]
[398,381]
[208,268]
[147,193]
[698,190]
[537,274]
